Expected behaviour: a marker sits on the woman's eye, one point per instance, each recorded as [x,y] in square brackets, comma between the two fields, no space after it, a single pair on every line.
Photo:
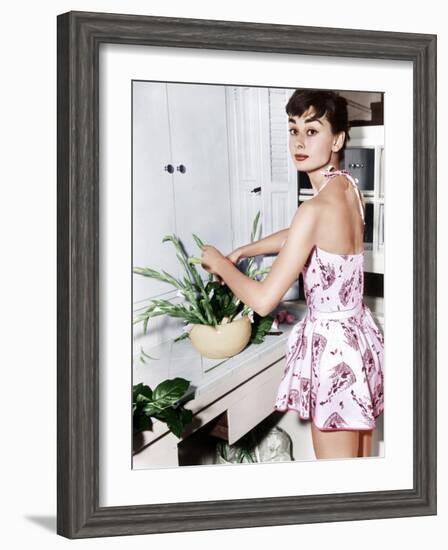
[293,131]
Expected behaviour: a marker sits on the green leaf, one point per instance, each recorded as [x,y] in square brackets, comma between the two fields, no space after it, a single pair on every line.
[175,418]
[192,260]
[141,394]
[260,327]
[153,274]
[183,258]
[145,325]
[182,336]
[141,422]
[168,392]
[141,389]
[198,241]
[143,352]
[186,415]
[254,226]
[171,417]
[159,404]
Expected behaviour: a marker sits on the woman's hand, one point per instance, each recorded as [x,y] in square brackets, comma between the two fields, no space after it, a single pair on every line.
[210,255]
[210,258]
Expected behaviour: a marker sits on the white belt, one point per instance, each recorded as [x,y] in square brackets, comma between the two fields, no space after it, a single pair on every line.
[343,314]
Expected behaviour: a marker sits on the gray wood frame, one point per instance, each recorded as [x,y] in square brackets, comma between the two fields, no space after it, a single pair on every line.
[79,36]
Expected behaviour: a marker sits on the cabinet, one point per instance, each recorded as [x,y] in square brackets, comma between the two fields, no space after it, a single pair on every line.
[180,179]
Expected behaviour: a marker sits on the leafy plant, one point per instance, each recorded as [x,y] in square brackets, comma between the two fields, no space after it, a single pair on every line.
[241,451]
[163,404]
[208,303]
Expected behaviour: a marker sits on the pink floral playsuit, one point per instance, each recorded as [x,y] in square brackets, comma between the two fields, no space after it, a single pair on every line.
[334,360]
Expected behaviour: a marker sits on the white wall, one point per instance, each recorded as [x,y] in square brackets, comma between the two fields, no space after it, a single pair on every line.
[28,277]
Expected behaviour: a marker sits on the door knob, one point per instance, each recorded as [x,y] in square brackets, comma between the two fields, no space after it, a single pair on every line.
[169,168]
[181,168]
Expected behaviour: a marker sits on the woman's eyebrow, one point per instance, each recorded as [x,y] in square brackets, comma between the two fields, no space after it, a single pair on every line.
[292,121]
[313,119]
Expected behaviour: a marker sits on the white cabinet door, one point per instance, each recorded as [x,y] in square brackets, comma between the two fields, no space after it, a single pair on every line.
[183,125]
[199,144]
[246,158]
[280,189]
[263,174]
[152,189]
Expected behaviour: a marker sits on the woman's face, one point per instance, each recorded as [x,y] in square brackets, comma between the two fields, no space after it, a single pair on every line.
[311,141]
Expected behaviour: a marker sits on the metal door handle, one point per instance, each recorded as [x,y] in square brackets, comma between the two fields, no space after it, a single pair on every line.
[169,168]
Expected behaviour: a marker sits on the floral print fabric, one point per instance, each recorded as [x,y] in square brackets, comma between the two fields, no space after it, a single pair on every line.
[334,360]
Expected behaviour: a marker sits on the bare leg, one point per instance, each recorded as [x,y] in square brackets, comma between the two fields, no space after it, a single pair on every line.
[335,444]
[365,443]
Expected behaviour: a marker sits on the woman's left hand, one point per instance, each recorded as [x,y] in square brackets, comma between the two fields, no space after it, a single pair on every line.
[210,258]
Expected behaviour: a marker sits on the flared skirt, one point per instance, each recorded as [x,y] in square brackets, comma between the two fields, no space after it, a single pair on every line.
[334,372]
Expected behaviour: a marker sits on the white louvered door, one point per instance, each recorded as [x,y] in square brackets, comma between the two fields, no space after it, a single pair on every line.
[262,173]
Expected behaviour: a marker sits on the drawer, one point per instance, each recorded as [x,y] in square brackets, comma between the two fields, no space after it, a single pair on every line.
[254,401]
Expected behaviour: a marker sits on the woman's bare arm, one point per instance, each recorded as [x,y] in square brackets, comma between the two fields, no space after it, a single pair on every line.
[263,296]
[268,245]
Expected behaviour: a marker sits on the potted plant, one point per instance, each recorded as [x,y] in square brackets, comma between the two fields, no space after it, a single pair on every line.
[219,325]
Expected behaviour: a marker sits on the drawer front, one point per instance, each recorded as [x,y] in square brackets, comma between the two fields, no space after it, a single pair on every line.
[254,401]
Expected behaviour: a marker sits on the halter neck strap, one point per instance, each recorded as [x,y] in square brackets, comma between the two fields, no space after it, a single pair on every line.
[354,181]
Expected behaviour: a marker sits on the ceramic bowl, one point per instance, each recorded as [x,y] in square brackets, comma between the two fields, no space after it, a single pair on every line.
[222,341]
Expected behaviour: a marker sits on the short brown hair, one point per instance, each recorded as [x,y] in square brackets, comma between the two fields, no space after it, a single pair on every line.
[328,103]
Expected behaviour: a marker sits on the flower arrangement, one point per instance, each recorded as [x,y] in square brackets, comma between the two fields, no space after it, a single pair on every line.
[211,303]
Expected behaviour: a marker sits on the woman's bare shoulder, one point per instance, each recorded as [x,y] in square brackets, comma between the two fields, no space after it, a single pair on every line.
[309,207]
[307,215]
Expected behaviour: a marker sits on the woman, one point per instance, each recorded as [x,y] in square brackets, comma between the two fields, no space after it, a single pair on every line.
[334,362]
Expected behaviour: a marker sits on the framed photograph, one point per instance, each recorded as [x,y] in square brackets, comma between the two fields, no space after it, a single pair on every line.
[181,147]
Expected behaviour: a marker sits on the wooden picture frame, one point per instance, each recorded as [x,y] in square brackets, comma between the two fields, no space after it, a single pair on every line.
[79,37]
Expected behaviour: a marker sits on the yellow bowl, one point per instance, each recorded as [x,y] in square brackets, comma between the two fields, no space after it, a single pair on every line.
[222,341]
